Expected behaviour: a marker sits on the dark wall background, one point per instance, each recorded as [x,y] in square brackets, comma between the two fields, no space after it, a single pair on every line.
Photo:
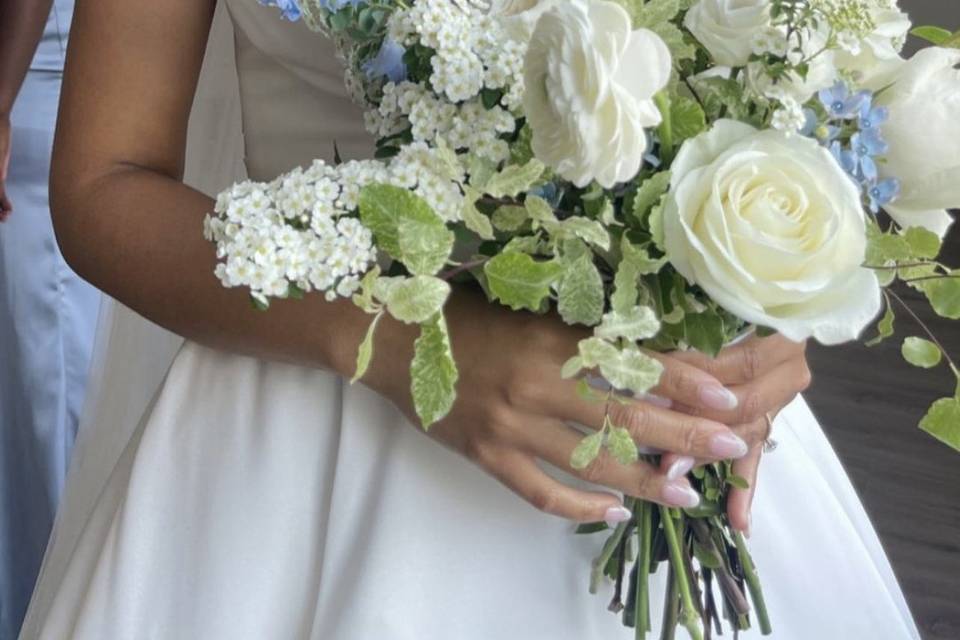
[870,402]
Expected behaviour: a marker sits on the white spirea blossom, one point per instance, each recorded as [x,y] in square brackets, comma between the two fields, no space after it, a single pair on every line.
[301,229]
[590,80]
[789,118]
[876,55]
[773,230]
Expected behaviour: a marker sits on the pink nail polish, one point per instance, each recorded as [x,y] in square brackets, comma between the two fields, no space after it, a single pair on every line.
[718,398]
[680,467]
[616,515]
[728,446]
[680,495]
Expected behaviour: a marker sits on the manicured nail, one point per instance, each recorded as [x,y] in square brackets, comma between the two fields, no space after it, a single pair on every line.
[657,401]
[728,446]
[719,398]
[680,495]
[616,515]
[680,467]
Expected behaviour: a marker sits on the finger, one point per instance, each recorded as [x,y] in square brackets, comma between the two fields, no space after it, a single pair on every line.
[520,473]
[746,360]
[739,501]
[652,426]
[767,393]
[554,443]
[689,385]
[676,466]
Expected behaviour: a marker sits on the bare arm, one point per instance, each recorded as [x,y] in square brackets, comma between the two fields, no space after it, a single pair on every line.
[124,219]
[21,26]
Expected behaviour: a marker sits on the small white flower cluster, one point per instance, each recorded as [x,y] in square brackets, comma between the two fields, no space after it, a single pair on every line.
[301,229]
[469,126]
[473,50]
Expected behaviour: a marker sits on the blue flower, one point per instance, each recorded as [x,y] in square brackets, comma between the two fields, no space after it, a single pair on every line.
[872,117]
[846,159]
[882,192]
[839,103]
[865,146]
[388,62]
[289,9]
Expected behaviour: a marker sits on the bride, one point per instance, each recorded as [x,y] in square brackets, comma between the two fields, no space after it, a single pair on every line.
[253,493]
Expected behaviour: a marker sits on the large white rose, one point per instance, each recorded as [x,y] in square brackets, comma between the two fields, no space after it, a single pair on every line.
[924,132]
[590,80]
[771,228]
[728,28]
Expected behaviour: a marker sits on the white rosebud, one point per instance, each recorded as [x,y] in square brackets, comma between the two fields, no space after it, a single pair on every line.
[773,230]
[923,131]
[729,28]
[590,81]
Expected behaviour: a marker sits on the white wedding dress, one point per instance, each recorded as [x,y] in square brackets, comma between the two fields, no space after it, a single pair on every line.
[235,498]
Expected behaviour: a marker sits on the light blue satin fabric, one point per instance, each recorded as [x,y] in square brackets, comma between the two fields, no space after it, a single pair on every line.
[47,321]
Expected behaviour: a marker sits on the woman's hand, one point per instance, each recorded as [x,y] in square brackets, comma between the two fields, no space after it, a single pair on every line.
[765,374]
[513,407]
[6,207]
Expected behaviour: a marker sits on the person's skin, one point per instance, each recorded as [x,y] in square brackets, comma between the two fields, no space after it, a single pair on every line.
[127,223]
[21,26]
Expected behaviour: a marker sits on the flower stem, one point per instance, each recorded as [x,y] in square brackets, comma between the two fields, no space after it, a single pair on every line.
[662,100]
[609,547]
[753,584]
[642,604]
[688,613]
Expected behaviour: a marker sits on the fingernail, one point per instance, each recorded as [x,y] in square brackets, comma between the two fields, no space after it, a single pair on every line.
[727,446]
[719,398]
[657,401]
[749,525]
[680,467]
[616,515]
[680,495]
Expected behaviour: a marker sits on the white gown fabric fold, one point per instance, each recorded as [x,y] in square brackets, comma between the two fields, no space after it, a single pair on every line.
[262,500]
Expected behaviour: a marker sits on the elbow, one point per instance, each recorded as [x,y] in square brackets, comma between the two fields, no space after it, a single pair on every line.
[66,225]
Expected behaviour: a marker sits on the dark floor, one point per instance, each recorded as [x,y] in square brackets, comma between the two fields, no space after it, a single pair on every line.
[870,401]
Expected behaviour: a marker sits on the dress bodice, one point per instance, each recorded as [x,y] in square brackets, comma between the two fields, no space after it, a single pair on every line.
[294,104]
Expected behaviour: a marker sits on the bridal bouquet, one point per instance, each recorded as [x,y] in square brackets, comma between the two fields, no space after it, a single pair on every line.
[667,173]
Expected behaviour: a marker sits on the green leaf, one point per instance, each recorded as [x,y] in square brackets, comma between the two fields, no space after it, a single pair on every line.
[416,300]
[405,227]
[539,209]
[480,170]
[921,352]
[738,482]
[365,352]
[885,327]
[514,179]
[588,230]
[656,225]
[364,299]
[944,295]
[933,35]
[687,118]
[587,451]
[473,218]
[704,332]
[621,445]
[509,217]
[649,193]
[884,247]
[580,294]
[519,281]
[571,367]
[923,242]
[625,290]
[653,12]
[433,372]
[591,527]
[943,421]
[628,368]
[639,323]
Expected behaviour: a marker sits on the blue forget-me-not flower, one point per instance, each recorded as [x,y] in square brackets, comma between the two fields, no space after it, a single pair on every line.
[388,62]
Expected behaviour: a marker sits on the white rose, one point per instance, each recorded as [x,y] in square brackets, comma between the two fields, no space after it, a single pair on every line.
[728,28]
[773,230]
[923,132]
[519,17]
[879,54]
[589,84]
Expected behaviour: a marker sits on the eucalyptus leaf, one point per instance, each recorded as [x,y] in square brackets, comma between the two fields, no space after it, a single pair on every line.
[921,352]
[943,421]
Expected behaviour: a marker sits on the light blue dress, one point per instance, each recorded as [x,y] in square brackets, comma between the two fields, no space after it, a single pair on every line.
[47,323]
